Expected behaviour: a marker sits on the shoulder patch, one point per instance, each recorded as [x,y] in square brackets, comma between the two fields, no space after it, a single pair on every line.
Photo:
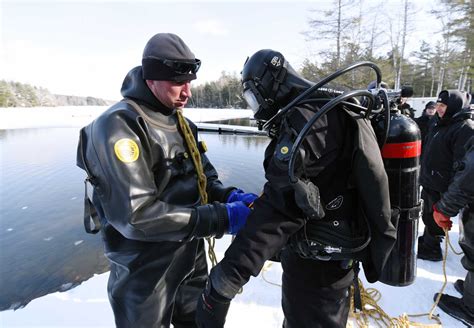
[126,150]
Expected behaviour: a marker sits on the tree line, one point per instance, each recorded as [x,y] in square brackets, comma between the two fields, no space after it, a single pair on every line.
[376,31]
[379,31]
[15,94]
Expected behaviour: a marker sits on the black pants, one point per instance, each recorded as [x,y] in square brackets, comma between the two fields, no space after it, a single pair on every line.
[429,198]
[314,293]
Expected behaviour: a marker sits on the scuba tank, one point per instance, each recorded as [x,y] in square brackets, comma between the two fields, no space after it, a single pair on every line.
[401,157]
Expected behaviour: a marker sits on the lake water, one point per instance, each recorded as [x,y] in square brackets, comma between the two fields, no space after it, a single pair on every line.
[43,245]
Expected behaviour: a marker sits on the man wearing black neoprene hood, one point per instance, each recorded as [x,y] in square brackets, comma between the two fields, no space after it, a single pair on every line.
[155,193]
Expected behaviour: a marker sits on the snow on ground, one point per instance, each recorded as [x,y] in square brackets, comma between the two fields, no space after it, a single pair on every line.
[259,304]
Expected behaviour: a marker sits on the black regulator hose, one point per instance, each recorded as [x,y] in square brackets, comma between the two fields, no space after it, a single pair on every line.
[325,100]
[384,95]
[326,108]
[318,85]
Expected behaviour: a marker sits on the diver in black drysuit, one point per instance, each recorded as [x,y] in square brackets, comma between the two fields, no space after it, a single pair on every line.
[146,193]
[341,157]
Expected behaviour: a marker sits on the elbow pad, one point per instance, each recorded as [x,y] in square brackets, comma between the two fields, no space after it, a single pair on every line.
[211,220]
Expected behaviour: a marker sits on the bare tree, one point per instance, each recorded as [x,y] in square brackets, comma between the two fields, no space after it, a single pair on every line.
[399,23]
[333,25]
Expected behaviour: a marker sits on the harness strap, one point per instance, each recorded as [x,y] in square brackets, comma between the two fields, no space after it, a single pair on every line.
[90,212]
[355,282]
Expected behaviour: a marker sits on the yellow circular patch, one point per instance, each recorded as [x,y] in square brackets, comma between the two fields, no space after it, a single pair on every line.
[126,150]
[284,150]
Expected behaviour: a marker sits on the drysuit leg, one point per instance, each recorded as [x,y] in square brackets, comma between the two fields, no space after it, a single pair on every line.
[314,293]
[184,311]
[136,297]
[142,286]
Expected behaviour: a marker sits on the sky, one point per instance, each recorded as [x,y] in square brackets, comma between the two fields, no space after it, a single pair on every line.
[85,48]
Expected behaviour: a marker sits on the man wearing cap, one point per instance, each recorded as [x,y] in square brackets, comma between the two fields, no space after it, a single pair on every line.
[155,193]
[444,149]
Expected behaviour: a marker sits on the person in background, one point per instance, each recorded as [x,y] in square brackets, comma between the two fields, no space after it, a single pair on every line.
[404,107]
[444,149]
[424,120]
[315,290]
[156,195]
[460,197]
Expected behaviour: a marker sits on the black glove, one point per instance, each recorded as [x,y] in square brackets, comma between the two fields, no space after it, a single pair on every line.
[211,308]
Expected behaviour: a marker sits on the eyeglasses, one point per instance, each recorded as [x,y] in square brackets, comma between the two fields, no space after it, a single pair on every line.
[182,67]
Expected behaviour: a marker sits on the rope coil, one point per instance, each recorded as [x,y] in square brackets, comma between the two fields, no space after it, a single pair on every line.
[372,312]
[202,179]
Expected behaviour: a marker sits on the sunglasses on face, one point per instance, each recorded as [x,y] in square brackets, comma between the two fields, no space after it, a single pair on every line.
[182,67]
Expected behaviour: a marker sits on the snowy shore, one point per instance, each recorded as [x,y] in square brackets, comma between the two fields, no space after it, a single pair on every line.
[78,116]
[259,304]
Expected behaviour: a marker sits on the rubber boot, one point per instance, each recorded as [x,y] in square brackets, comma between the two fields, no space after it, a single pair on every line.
[429,247]
[456,308]
[459,286]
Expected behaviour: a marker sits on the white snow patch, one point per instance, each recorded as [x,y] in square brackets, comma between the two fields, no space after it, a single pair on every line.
[79,116]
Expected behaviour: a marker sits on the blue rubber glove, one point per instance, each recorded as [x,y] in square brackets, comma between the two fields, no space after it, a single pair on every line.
[238,195]
[237,212]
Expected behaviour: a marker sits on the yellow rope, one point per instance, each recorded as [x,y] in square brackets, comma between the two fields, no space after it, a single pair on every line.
[451,245]
[371,296]
[195,155]
[371,310]
[202,179]
[265,268]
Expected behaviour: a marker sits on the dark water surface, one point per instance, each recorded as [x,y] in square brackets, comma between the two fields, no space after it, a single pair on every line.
[43,245]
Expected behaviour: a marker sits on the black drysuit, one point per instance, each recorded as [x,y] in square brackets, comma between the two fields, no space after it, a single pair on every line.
[444,148]
[314,293]
[149,206]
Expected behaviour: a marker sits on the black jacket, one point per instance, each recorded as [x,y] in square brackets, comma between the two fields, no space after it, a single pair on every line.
[276,216]
[461,191]
[423,122]
[444,144]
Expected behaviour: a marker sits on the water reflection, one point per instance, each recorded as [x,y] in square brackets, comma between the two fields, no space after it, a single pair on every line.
[43,245]
[236,121]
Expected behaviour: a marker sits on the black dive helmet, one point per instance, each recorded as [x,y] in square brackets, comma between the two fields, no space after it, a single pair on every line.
[269,83]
